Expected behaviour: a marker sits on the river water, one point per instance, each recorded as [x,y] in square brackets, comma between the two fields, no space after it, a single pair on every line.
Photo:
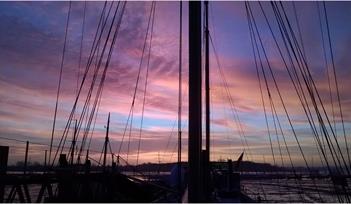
[283,190]
[266,190]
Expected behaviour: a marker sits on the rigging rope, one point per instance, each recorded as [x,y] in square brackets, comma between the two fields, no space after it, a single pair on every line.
[256,49]
[180,101]
[326,65]
[81,46]
[280,52]
[146,80]
[100,62]
[336,81]
[101,85]
[96,74]
[83,80]
[130,133]
[320,121]
[310,79]
[79,63]
[230,99]
[277,87]
[232,106]
[98,92]
[60,78]
[137,80]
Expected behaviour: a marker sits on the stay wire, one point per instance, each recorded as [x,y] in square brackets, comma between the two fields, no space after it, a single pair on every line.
[278,90]
[308,86]
[130,133]
[83,80]
[232,106]
[88,65]
[93,83]
[336,82]
[60,79]
[81,46]
[309,113]
[102,81]
[317,93]
[254,45]
[137,80]
[326,65]
[100,62]
[101,85]
[289,71]
[146,81]
[230,99]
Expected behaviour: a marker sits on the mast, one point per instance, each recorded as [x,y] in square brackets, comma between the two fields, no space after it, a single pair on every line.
[106,141]
[26,158]
[180,105]
[206,159]
[195,128]
[74,142]
[207,83]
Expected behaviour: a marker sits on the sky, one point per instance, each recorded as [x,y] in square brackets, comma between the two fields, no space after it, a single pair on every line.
[31,42]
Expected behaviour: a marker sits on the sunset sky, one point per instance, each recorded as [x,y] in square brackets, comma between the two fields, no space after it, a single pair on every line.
[31,41]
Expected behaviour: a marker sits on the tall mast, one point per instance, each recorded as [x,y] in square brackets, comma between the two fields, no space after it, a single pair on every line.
[206,159]
[106,140]
[180,104]
[195,128]
[207,82]
[74,142]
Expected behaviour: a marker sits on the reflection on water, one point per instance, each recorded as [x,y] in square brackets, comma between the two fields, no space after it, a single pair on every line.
[284,190]
[265,190]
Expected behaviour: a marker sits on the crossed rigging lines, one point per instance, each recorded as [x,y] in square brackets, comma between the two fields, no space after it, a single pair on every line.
[294,61]
[291,51]
[298,71]
[288,40]
[60,78]
[151,21]
[108,28]
[300,75]
[105,23]
[104,31]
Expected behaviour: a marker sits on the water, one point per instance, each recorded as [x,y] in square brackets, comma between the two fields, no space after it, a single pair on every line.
[267,190]
[284,190]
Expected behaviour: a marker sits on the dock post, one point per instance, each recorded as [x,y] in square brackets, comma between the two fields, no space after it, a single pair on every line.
[4,154]
[26,158]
